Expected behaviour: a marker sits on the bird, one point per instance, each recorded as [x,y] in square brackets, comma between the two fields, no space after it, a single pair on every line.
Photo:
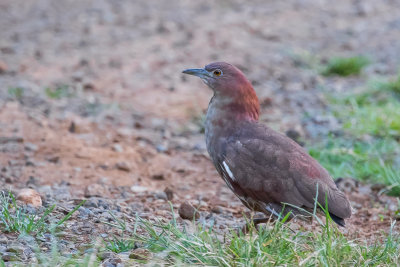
[266,170]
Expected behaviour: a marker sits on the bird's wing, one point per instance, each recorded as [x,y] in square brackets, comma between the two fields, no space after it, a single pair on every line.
[272,168]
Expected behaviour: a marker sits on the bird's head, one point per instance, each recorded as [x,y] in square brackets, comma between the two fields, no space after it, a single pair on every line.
[231,88]
[223,78]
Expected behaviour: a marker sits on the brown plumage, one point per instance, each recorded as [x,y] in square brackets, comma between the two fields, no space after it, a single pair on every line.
[264,168]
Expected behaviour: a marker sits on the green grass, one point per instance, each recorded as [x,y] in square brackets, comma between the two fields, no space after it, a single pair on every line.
[272,245]
[58,92]
[345,66]
[14,218]
[16,92]
[369,148]
[373,161]
[119,245]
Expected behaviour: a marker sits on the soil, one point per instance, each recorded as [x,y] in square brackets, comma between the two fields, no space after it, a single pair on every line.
[105,113]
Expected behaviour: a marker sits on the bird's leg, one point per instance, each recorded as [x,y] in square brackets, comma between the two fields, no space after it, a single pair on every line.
[256,222]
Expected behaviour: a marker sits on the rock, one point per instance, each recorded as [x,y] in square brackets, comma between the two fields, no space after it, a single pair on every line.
[3,67]
[161,148]
[105,255]
[30,196]
[16,249]
[113,262]
[88,86]
[122,166]
[170,194]
[53,159]
[138,189]
[140,254]
[11,139]
[161,195]
[377,187]
[95,190]
[10,257]
[347,185]
[217,209]
[31,147]
[187,211]
[72,127]
[3,239]
[117,148]
[158,176]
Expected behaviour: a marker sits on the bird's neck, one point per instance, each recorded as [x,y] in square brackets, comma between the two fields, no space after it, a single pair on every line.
[224,115]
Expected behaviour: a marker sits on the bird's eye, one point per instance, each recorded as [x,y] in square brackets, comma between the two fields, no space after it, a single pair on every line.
[217,72]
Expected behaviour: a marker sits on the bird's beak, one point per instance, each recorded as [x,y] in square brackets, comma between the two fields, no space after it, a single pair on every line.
[202,73]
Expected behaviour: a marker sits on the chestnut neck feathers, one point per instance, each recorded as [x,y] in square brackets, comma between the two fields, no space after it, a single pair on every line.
[234,103]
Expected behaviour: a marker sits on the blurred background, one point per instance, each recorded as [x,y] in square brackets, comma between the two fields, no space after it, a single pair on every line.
[93,102]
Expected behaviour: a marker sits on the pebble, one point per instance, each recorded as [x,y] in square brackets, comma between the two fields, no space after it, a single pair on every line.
[16,249]
[11,139]
[95,190]
[187,211]
[140,254]
[158,177]
[3,239]
[161,195]
[10,257]
[138,189]
[30,196]
[31,147]
[170,194]
[117,148]
[3,67]
[122,166]
[217,209]
[105,255]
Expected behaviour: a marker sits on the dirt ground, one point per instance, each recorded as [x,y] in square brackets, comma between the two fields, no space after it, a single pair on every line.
[126,124]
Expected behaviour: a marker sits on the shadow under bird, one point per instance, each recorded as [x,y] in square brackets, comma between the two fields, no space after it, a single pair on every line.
[266,170]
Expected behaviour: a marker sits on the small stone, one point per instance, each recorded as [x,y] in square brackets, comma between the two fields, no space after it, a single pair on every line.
[89,86]
[30,196]
[117,148]
[170,194]
[10,257]
[217,209]
[377,187]
[113,262]
[187,211]
[161,148]
[31,147]
[158,177]
[122,166]
[15,249]
[72,127]
[105,255]
[53,159]
[161,195]
[140,254]
[3,67]
[95,190]
[138,189]
[3,239]
[347,185]
[11,139]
